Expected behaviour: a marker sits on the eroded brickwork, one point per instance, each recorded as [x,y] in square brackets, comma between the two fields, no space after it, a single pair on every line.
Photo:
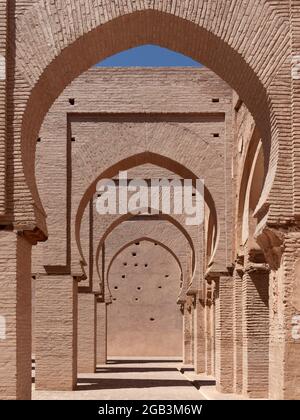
[81,130]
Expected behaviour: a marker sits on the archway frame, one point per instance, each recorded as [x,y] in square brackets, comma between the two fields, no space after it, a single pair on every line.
[141,239]
[206,34]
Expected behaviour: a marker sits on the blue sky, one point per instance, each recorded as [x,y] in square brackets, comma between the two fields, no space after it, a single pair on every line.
[148,56]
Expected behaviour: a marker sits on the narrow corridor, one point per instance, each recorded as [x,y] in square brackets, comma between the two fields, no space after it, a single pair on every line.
[123,379]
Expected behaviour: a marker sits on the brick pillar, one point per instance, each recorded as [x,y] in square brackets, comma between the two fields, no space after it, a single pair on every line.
[208,331]
[56,332]
[237,332]
[15,317]
[187,334]
[199,336]
[101,333]
[224,334]
[192,328]
[284,368]
[87,328]
[255,301]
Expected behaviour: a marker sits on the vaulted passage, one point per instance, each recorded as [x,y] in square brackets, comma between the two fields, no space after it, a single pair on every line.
[149,216]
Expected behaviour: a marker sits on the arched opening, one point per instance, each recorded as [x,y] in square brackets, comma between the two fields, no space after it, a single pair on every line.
[135,161]
[128,29]
[251,185]
[148,56]
[250,47]
[144,319]
[119,220]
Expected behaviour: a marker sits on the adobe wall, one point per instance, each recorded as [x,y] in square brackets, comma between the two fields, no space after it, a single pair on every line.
[144,318]
[191,126]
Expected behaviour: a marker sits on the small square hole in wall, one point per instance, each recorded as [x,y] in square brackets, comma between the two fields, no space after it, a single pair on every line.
[215,100]
[137,243]
[38,140]
[216,134]
[152,319]
[123,276]
[73,139]
[71,101]
[136,264]
[167,275]
[133,254]
[125,263]
[146,265]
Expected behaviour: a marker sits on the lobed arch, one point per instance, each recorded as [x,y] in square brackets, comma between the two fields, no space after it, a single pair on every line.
[131,162]
[222,35]
[140,239]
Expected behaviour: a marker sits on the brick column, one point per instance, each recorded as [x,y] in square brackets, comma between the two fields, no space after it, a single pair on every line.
[187,333]
[87,328]
[224,334]
[237,332]
[208,330]
[101,332]
[4,35]
[56,332]
[15,316]
[199,336]
[284,368]
[255,301]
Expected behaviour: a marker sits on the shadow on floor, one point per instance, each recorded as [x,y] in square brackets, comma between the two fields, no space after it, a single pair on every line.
[134,369]
[204,382]
[89,384]
[186,369]
[137,361]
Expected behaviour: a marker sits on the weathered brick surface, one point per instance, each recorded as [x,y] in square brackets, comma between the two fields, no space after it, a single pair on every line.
[224,335]
[237,333]
[15,304]
[101,351]
[255,316]
[97,120]
[199,337]
[56,333]
[253,46]
[188,350]
[284,323]
[144,318]
[87,333]
[248,35]
[159,231]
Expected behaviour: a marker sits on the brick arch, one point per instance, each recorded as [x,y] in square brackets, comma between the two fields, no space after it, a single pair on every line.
[237,40]
[141,239]
[246,183]
[120,219]
[164,232]
[131,162]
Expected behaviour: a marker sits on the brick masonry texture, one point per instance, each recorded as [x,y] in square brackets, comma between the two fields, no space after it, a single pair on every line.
[55,326]
[232,304]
